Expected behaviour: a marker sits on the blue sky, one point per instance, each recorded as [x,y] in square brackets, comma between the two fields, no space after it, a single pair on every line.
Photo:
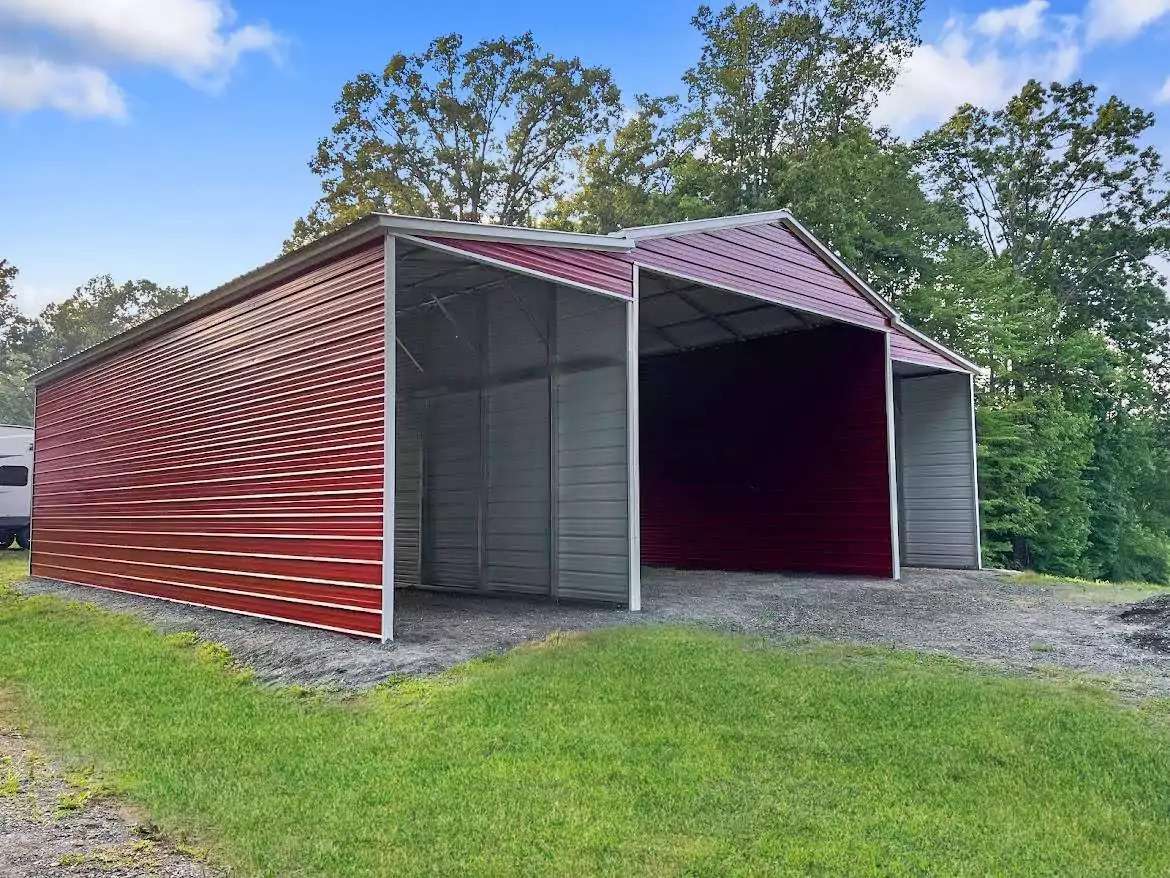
[168,139]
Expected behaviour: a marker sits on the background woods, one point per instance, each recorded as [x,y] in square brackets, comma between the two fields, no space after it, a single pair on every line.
[1028,236]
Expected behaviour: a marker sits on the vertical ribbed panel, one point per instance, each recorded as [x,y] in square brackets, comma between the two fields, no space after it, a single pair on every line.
[518,451]
[936,471]
[234,461]
[520,407]
[592,530]
[451,485]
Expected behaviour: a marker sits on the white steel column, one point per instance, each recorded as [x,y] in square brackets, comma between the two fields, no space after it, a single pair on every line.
[633,507]
[975,477]
[390,422]
[892,463]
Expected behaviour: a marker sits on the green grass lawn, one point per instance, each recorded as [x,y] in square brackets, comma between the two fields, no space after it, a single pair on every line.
[648,750]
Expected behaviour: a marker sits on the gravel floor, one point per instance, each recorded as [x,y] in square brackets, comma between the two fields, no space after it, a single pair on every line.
[54,822]
[977,615]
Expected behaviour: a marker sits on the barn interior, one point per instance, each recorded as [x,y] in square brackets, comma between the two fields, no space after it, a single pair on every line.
[763,435]
[511,436]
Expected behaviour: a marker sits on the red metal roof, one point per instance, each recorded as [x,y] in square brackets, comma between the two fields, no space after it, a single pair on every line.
[769,256]
[611,272]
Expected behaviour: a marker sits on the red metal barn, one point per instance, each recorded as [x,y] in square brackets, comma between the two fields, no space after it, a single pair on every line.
[559,408]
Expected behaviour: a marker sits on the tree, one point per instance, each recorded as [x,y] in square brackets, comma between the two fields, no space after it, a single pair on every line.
[15,407]
[1071,321]
[94,312]
[778,81]
[1061,186]
[482,134]
[630,181]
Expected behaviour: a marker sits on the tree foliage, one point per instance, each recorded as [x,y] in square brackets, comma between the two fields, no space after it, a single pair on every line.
[1071,321]
[481,134]
[773,82]
[99,309]
[1060,185]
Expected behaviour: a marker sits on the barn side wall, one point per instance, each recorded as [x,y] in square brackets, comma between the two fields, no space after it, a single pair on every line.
[768,455]
[234,461]
[936,471]
[511,444]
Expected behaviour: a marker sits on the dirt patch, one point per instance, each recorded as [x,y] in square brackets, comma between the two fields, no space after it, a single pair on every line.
[980,615]
[59,822]
[1150,621]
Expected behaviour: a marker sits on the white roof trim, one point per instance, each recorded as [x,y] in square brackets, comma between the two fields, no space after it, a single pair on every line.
[702,225]
[420,225]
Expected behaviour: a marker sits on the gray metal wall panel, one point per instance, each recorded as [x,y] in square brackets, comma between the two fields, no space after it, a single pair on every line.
[517,549]
[936,489]
[452,484]
[592,525]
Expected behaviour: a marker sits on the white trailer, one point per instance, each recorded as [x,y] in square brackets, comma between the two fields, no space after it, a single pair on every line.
[16,454]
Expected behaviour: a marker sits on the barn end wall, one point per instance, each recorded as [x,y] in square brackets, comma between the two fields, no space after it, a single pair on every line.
[936,471]
[234,461]
[768,455]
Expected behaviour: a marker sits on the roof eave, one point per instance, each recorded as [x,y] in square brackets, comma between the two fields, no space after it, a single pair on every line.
[366,229]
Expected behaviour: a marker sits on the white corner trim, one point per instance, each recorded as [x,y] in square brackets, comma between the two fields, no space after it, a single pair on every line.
[975,478]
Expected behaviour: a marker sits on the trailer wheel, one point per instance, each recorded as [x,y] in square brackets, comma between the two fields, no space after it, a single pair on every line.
[23,538]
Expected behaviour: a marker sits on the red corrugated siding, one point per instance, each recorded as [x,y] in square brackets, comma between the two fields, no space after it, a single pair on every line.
[599,269]
[233,462]
[765,261]
[768,455]
[907,349]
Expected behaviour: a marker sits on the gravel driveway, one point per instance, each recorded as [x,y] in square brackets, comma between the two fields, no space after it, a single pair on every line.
[982,615]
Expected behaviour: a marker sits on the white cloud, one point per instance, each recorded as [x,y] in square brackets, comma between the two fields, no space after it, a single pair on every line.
[28,83]
[1163,95]
[970,64]
[1120,20]
[192,38]
[1025,21]
[69,46]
